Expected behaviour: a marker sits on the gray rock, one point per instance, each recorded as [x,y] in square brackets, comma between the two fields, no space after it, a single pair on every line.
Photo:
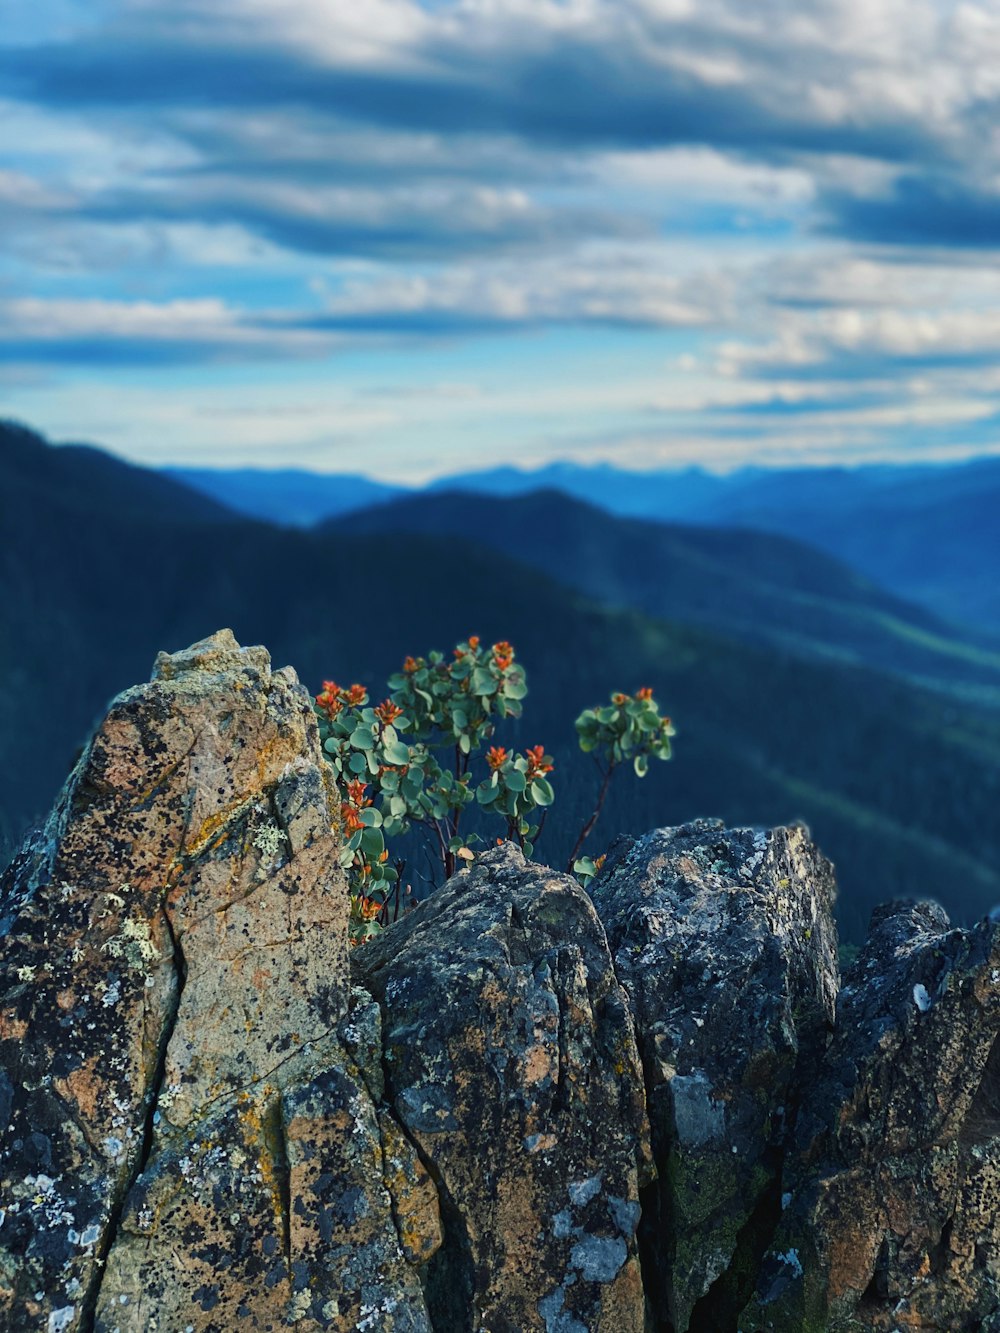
[724,941]
[893,1181]
[511,1062]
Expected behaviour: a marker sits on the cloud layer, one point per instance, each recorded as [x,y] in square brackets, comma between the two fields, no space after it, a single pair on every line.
[701,212]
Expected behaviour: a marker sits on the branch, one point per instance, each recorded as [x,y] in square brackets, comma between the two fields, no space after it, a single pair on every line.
[588,828]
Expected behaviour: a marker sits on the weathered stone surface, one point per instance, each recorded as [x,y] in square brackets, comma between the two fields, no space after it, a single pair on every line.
[170,938]
[275,1212]
[725,943]
[204,1127]
[511,1062]
[892,1192]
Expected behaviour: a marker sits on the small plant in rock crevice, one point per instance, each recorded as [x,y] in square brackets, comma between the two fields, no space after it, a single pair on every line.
[415,761]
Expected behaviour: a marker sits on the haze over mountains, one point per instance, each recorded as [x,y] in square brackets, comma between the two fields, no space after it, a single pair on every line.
[929,534]
[791,679]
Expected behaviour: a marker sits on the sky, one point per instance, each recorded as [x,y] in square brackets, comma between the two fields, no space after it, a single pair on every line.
[407,239]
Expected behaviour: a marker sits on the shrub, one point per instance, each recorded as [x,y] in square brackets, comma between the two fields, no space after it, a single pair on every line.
[407,763]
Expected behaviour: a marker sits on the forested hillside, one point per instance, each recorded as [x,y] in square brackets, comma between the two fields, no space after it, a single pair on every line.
[899,785]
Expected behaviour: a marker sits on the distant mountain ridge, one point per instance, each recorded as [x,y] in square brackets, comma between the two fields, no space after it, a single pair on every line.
[756,586]
[288,497]
[927,533]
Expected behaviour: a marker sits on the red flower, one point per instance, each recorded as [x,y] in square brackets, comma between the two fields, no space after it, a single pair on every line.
[356,695]
[331,700]
[619,699]
[356,791]
[368,907]
[473,642]
[503,654]
[352,821]
[497,757]
[410,665]
[645,694]
[387,712]
[538,761]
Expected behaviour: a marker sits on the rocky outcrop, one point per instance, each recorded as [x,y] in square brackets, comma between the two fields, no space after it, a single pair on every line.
[511,1062]
[175,941]
[651,1109]
[891,1209]
[725,943]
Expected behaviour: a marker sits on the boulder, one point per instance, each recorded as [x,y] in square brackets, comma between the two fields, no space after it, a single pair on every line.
[725,944]
[511,1063]
[891,1188]
[174,948]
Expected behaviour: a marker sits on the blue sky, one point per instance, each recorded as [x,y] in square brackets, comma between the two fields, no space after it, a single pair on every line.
[409,239]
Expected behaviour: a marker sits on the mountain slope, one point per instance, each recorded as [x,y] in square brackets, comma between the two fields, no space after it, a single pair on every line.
[899,785]
[930,534]
[749,585]
[88,478]
[288,497]
[927,532]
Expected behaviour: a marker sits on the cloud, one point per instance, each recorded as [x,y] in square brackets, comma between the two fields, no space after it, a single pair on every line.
[118,333]
[848,342]
[619,289]
[785,212]
[926,209]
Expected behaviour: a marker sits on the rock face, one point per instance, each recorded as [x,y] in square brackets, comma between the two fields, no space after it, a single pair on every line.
[892,1204]
[174,937]
[725,944]
[511,1062]
[648,1110]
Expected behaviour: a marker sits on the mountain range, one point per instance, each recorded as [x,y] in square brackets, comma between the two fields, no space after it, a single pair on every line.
[103,564]
[926,533]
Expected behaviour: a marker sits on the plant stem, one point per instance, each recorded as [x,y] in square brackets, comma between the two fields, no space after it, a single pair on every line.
[588,828]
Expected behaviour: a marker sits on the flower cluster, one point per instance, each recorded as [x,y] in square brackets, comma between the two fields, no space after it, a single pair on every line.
[333,699]
[387,712]
[538,762]
[497,757]
[407,763]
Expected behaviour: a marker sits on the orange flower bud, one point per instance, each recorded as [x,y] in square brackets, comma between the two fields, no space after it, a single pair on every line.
[352,821]
[538,761]
[503,654]
[387,712]
[497,757]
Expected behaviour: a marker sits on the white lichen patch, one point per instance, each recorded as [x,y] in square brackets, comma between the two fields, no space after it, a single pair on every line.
[921,998]
[299,1305]
[134,943]
[26,973]
[270,841]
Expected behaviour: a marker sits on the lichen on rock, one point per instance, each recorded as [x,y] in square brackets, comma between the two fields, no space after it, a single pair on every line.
[529,1109]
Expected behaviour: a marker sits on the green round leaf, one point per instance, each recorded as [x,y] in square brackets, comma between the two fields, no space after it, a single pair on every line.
[395,752]
[372,843]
